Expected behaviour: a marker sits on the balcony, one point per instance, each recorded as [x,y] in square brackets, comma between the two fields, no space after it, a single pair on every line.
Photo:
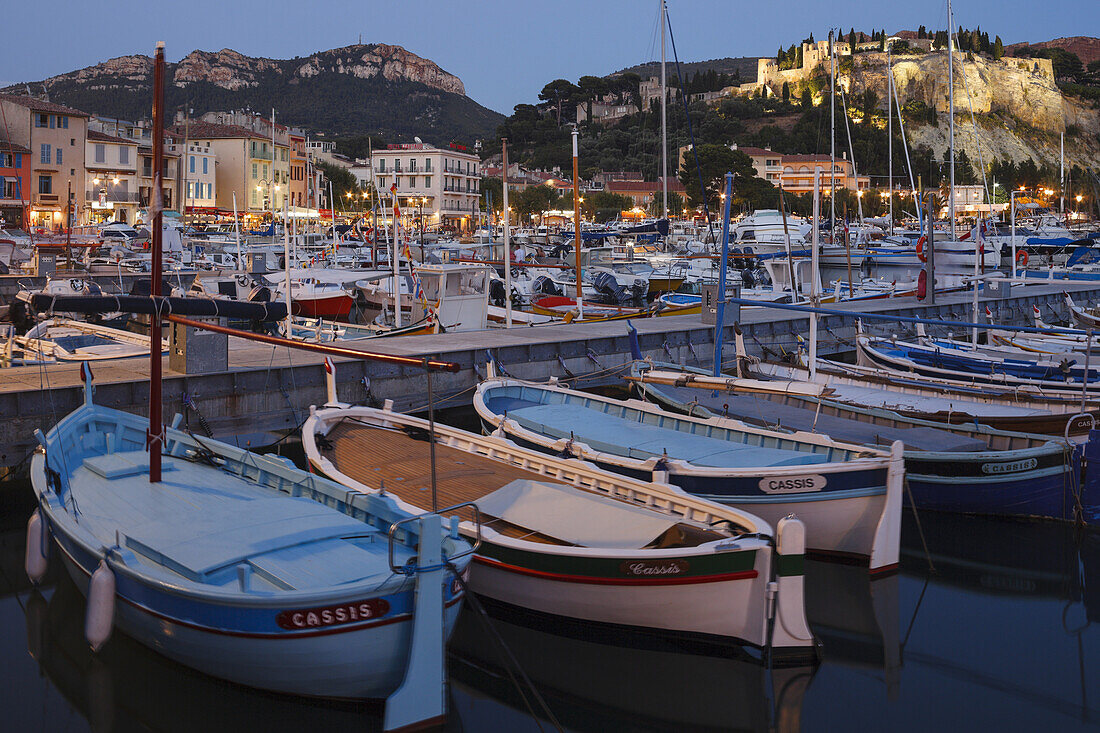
[47,198]
[256,154]
[115,197]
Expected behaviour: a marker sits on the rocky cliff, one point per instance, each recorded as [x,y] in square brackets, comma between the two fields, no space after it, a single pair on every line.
[369,88]
[1019,110]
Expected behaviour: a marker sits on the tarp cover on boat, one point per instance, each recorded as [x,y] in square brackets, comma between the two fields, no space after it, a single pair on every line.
[574,516]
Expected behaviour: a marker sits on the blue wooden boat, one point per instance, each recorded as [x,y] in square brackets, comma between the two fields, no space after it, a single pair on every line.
[966,468]
[945,360]
[240,565]
[848,496]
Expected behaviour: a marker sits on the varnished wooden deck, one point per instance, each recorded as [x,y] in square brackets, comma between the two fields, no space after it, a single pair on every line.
[378,457]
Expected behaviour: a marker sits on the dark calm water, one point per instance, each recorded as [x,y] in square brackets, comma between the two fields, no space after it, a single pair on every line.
[1003,635]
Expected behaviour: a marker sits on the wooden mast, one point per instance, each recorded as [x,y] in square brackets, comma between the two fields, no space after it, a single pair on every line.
[154,439]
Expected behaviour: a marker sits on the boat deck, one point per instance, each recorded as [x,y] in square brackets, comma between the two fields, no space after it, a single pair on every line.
[206,526]
[401,463]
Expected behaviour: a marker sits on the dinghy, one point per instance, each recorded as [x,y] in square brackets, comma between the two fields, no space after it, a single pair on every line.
[64,339]
[848,496]
[564,542]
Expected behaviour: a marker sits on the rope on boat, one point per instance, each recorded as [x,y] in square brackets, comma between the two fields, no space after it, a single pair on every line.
[920,529]
[894,318]
[507,655]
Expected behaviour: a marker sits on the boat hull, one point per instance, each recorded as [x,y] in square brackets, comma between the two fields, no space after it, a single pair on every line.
[333,306]
[364,660]
[718,596]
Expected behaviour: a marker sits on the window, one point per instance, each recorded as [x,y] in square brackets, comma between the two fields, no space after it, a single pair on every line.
[412,166]
[52,119]
[204,162]
[124,155]
[427,181]
[45,184]
[191,164]
[427,164]
[190,190]
[254,171]
[41,120]
[100,153]
[63,122]
[11,189]
[381,166]
[412,181]
[59,156]
[265,171]
[44,155]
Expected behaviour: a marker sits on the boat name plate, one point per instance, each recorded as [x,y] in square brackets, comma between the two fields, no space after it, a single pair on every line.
[654,568]
[344,613]
[1010,467]
[792,484]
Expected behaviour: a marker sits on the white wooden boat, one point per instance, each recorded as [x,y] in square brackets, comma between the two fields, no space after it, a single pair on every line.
[564,540]
[63,339]
[849,496]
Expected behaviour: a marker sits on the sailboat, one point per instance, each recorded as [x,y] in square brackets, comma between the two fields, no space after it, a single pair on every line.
[240,565]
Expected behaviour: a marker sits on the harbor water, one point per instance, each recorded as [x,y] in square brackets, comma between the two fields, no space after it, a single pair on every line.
[996,625]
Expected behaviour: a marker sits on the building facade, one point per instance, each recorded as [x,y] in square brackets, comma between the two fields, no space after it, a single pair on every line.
[796,172]
[15,184]
[111,186]
[299,185]
[200,178]
[56,136]
[445,183]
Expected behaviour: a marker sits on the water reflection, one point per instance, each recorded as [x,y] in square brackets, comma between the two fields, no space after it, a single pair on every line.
[1002,634]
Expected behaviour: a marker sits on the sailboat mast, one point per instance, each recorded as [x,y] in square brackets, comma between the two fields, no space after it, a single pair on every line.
[576,225]
[154,439]
[832,136]
[890,132]
[664,115]
[951,111]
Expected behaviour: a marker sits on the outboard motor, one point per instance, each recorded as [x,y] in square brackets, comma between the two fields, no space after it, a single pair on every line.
[639,289]
[747,279]
[545,286]
[608,287]
[260,294]
[761,276]
[496,292]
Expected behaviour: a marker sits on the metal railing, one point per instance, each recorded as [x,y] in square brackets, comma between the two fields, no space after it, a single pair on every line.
[405,569]
[118,197]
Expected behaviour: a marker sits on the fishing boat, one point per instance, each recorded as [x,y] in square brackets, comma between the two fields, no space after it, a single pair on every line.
[216,565]
[64,339]
[969,469]
[562,540]
[949,361]
[313,298]
[238,565]
[849,496]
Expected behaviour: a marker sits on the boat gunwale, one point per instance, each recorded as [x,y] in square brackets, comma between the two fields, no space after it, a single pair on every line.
[873,462]
[57,515]
[493,447]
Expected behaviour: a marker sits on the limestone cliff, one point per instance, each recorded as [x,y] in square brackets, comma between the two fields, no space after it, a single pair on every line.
[1019,110]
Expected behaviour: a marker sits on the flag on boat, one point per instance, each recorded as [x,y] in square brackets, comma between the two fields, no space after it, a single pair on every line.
[85,372]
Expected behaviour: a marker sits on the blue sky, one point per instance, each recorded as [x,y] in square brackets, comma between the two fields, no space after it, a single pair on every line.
[503,50]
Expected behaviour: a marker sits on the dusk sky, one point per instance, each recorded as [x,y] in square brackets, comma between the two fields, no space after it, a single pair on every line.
[503,50]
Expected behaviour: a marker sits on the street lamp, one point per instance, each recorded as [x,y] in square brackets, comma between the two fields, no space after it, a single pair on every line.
[420,215]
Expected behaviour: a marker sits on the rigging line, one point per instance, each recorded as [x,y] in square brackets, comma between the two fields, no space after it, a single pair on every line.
[977,140]
[687,114]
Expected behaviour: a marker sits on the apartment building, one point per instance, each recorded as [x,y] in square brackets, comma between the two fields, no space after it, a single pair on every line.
[55,136]
[15,184]
[443,183]
[111,184]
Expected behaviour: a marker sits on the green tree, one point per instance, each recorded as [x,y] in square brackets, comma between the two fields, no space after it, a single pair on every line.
[786,92]
[492,189]
[534,200]
[343,182]
[807,98]
[714,162]
[558,93]
[591,88]
[998,49]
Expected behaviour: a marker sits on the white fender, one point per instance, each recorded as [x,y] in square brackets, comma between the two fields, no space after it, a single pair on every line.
[791,626]
[38,545]
[100,615]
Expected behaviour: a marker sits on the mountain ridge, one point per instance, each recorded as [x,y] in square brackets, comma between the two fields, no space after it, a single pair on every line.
[359,89]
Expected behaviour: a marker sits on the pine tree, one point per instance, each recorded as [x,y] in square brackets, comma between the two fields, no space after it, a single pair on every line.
[998,49]
[786,92]
[922,32]
[852,39]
